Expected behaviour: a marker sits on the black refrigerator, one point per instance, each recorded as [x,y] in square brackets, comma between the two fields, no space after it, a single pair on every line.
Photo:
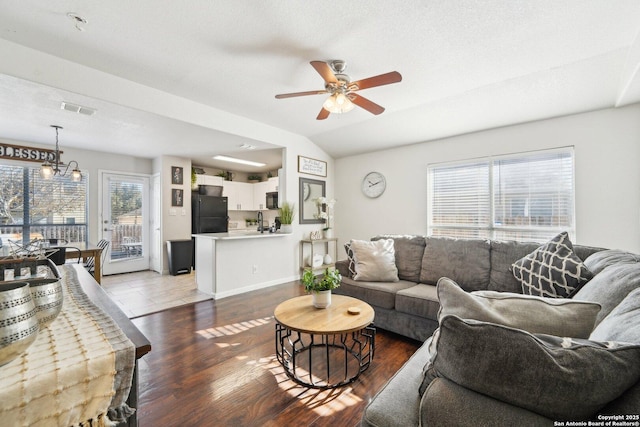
[209,214]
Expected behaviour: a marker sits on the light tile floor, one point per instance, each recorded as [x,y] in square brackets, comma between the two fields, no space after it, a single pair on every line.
[147,292]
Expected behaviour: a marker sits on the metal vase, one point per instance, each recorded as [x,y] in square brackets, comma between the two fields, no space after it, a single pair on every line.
[18,320]
[47,297]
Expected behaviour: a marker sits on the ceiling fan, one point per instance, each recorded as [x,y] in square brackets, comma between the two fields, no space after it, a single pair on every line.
[342,90]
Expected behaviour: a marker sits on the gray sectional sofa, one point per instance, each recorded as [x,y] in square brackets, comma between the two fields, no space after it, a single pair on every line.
[481,269]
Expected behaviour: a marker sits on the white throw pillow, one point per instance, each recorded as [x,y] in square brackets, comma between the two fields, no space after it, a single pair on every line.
[374,261]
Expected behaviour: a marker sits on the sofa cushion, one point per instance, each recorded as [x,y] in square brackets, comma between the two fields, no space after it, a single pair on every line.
[392,405]
[446,404]
[560,378]
[552,270]
[374,261]
[409,251]
[610,287]
[537,315]
[419,300]
[503,255]
[623,323]
[380,294]
[555,316]
[468,262]
[600,260]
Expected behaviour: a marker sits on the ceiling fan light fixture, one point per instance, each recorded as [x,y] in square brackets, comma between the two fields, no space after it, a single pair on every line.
[338,103]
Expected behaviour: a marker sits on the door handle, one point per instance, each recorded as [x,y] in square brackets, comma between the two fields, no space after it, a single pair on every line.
[108,229]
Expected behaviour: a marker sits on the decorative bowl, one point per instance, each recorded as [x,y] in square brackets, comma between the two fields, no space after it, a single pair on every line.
[47,297]
[18,320]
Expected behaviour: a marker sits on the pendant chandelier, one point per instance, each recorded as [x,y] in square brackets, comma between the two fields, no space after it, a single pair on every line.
[49,170]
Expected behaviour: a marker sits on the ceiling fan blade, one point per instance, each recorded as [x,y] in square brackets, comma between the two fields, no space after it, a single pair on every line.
[323,114]
[363,102]
[325,71]
[381,80]
[291,95]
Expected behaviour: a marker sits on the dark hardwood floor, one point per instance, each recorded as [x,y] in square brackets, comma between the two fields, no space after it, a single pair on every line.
[213,363]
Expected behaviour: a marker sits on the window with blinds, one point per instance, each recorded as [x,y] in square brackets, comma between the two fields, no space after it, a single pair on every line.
[525,197]
[32,207]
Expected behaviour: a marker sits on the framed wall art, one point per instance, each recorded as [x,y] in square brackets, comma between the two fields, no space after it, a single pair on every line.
[177,197]
[177,175]
[310,190]
[312,166]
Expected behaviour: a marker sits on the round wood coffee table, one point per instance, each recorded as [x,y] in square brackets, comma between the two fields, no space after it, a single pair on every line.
[328,347]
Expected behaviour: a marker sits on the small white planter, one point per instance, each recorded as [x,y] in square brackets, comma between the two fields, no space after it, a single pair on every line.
[286,228]
[328,233]
[321,299]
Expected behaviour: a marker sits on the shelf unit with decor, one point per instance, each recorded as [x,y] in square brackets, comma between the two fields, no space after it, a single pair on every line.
[327,244]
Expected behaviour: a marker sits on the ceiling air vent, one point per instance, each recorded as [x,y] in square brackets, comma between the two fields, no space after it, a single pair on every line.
[75,108]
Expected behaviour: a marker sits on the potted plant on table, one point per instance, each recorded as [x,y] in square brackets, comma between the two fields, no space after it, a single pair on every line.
[320,287]
[287,213]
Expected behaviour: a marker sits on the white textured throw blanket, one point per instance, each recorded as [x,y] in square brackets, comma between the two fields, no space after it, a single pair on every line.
[77,371]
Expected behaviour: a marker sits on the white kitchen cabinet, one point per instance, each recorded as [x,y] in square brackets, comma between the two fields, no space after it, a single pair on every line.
[273,184]
[209,180]
[239,194]
[260,195]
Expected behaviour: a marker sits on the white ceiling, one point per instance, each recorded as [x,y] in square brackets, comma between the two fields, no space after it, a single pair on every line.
[466,66]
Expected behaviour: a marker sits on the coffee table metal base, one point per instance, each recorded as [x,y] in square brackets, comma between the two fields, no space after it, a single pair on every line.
[329,361]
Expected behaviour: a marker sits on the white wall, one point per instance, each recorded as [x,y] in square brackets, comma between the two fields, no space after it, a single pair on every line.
[176,221]
[607,155]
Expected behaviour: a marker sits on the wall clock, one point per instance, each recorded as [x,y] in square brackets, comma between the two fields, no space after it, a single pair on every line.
[374,184]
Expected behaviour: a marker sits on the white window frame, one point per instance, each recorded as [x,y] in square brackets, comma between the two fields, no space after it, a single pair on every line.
[492,229]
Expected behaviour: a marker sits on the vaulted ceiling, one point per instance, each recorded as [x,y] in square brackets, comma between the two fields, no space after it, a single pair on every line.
[199,78]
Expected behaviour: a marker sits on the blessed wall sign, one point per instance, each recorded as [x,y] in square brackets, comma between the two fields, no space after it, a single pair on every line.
[28,154]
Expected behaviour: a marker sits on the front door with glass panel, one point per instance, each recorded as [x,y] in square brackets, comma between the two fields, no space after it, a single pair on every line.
[125,222]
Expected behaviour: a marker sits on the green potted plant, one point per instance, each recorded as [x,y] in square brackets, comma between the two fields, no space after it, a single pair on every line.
[194,179]
[286,213]
[320,287]
[254,178]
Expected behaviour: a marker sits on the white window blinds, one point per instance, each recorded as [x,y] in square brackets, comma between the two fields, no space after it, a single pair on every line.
[460,200]
[31,207]
[527,197]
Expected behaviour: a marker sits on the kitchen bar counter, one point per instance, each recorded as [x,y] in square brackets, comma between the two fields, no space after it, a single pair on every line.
[241,261]
[240,234]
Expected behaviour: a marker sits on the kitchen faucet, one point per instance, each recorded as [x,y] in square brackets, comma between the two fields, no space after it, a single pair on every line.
[260,222]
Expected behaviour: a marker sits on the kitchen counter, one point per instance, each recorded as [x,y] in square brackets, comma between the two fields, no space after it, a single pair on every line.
[240,234]
[241,261]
